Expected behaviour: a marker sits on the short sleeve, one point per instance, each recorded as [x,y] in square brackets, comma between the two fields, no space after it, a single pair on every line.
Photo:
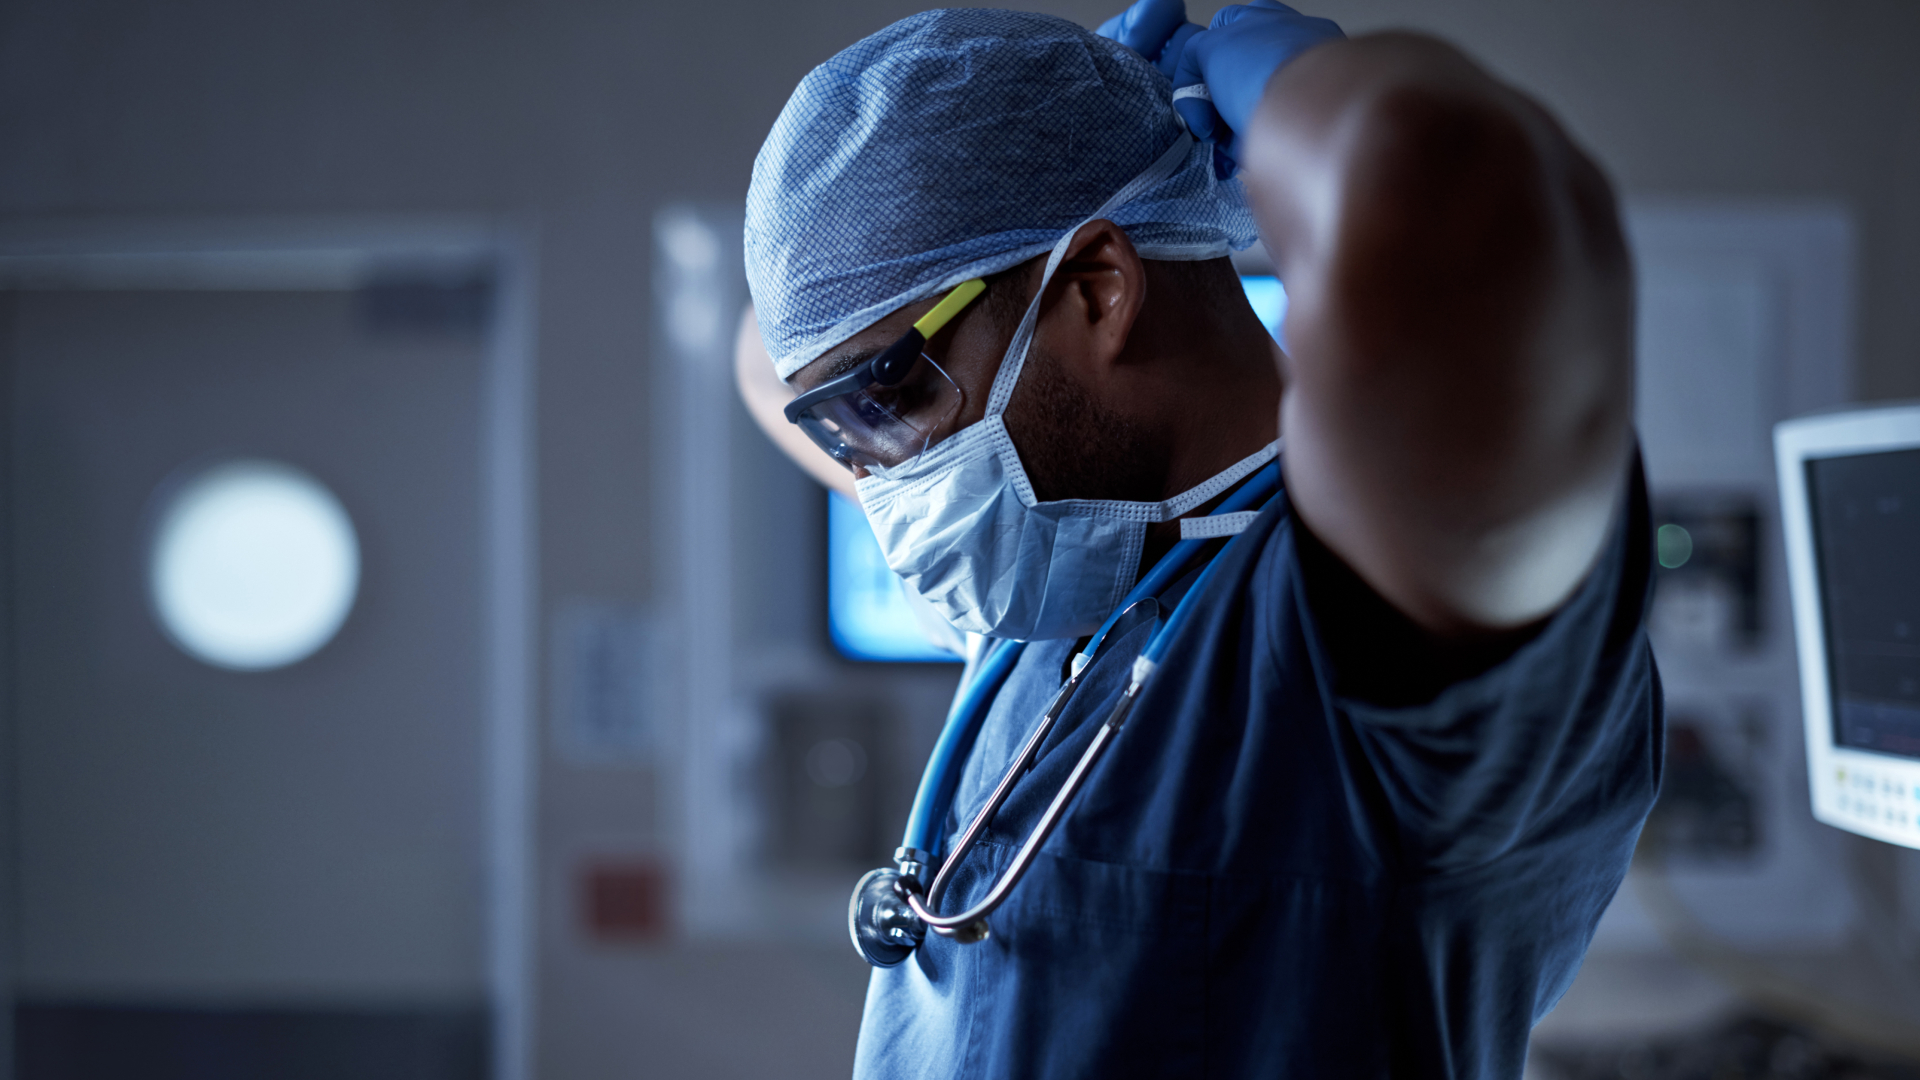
[1476,752]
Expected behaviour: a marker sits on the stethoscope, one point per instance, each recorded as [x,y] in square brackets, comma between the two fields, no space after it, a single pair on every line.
[892,907]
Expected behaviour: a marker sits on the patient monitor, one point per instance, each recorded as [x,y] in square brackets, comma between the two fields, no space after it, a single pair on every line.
[1850,500]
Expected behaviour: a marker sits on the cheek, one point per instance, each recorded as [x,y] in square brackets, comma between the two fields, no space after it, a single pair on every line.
[974,362]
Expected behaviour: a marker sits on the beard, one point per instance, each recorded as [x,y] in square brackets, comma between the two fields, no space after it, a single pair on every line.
[1072,447]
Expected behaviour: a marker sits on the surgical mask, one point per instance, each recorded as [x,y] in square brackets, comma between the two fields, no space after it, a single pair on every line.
[960,524]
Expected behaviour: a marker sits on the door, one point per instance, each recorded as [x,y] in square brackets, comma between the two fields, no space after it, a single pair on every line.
[232,871]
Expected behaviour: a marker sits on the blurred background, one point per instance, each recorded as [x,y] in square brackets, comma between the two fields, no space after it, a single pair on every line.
[583,710]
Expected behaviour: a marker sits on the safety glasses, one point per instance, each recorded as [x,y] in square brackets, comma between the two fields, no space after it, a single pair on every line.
[886,411]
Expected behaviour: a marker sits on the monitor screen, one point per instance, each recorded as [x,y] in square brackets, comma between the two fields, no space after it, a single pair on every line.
[1269,301]
[1865,513]
[867,612]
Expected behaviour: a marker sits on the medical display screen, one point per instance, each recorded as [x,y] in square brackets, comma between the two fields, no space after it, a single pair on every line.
[1269,302]
[867,613]
[1866,534]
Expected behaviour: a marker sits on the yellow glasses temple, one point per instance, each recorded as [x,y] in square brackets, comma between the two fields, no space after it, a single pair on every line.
[944,311]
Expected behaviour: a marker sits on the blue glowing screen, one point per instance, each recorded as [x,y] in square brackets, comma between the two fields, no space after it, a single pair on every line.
[867,613]
[1269,302]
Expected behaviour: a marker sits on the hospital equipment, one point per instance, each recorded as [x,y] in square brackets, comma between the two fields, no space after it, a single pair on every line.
[870,616]
[1850,499]
[891,908]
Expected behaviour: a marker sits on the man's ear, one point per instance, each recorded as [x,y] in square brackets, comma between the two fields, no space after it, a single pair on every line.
[1096,295]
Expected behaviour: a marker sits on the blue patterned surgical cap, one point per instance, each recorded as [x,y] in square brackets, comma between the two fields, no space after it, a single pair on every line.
[955,144]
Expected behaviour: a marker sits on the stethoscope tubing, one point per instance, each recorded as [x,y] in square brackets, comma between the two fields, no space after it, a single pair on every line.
[942,774]
[1148,609]
[940,777]
[970,924]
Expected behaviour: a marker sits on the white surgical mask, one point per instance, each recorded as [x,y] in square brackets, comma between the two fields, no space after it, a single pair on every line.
[962,528]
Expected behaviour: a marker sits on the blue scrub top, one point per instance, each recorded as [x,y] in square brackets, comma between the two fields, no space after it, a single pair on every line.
[1313,851]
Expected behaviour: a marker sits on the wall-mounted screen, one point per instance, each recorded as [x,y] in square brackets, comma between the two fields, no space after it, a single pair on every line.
[1269,301]
[868,615]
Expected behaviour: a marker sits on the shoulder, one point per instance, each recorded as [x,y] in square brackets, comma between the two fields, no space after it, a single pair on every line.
[1398,749]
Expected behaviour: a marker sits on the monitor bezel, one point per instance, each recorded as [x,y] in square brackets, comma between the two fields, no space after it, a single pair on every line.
[1851,788]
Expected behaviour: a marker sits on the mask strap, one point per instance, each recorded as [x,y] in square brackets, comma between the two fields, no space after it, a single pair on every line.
[1207,489]
[1016,356]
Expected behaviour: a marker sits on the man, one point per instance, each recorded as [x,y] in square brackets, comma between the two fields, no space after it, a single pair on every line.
[1393,761]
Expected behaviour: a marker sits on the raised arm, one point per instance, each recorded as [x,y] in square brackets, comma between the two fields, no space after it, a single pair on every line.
[764,395]
[1458,390]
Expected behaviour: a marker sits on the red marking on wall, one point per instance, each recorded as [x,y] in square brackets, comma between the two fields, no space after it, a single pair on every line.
[626,900]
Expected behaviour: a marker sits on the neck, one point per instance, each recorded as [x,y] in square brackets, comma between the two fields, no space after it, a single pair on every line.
[1226,408]
[1206,368]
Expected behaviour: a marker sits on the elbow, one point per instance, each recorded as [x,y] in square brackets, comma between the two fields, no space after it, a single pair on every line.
[1447,224]
[1413,198]
[1402,182]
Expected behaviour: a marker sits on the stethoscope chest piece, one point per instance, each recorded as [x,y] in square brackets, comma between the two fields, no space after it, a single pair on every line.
[885,930]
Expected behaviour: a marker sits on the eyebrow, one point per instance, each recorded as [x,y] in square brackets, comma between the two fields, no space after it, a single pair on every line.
[841,365]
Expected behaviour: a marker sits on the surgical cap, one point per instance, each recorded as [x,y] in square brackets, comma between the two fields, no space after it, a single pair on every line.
[956,144]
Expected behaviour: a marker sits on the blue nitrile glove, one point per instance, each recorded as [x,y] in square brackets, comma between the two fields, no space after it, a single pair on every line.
[1156,29]
[1223,71]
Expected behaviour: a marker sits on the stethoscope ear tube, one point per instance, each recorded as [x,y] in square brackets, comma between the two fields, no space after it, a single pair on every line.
[942,774]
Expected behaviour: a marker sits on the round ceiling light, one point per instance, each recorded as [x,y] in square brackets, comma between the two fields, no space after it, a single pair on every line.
[254,565]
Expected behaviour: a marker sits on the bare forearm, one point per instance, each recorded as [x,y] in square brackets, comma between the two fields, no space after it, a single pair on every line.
[1458,385]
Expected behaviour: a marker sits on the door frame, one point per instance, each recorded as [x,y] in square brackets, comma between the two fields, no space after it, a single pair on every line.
[341,254]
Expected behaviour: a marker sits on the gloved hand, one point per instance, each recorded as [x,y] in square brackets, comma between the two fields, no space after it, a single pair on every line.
[1156,29]
[1235,58]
